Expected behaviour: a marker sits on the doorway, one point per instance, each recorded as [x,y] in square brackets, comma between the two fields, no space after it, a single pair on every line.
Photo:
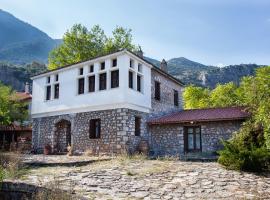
[192,139]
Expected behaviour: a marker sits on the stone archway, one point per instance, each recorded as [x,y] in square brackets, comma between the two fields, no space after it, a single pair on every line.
[62,135]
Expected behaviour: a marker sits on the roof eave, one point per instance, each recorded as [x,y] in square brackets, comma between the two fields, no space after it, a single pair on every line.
[195,121]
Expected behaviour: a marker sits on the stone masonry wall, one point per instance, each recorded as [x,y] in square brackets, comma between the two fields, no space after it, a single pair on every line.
[117,131]
[166,103]
[213,132]
[166,140]
[169,139]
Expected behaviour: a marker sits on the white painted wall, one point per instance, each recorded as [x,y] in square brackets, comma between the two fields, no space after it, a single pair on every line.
[70,102]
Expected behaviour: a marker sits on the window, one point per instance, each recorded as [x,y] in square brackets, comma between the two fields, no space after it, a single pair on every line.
[115,79]
[48,92]
[130,79]
[131,63]
[56,91]
[139,84]
[137,126]
[94,129]
[157,90]
[91,68]
[175,95]
[192,139]
[48,79]
[56,77]
[102,81]
[91,84]
[102,66]
[114,62]
[81,71]
[139,67]
[80,85]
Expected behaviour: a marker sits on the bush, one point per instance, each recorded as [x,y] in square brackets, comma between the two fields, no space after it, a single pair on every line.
[246,150]
[237,157]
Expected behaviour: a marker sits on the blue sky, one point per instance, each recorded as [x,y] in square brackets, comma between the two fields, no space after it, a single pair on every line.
[213,32]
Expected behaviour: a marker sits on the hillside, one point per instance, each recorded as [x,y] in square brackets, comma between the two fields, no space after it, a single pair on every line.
[21,42]
[191,72]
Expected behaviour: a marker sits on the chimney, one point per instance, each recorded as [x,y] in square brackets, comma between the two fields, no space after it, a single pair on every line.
[140,52]
[27,88]
[163,65]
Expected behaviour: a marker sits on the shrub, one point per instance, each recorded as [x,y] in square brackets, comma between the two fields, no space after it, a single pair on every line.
[246,150]
[1,174]
[237,157]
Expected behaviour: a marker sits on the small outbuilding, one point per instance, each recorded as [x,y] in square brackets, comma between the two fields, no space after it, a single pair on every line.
[195,131]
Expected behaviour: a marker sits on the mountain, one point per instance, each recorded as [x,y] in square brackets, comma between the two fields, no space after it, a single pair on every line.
[191,72]
[21,43]
[17,76]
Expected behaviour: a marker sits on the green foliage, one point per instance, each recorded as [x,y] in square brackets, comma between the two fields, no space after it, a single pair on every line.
[81,44]
[196,97]
[249,149]
[1,174]
[224,95]
[246,150]
[10,108]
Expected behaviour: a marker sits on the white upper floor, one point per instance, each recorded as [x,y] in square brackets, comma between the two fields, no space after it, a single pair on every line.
[118,80]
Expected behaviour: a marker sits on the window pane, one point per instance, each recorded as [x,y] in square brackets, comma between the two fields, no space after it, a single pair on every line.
[137,126]
[130,77]
[102,66]
[139,83]
[131,63]
[198,141]
[94,128]
[190,130]
[139,67]
[175,98]
[81,71]
[48,93]
[197,130]
[48,79]
[81,86]
[157,90]
[91,83]
[91,68]
[56,91]
[114,64]
[190,141]
[102,81]
[114,79]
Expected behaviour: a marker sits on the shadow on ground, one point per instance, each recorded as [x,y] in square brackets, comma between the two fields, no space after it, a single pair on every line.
[35,164]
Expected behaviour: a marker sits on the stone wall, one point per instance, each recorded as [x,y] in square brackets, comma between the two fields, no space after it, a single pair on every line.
[212,132]
[166,103]
[166,140]
[169,139]
[117,131]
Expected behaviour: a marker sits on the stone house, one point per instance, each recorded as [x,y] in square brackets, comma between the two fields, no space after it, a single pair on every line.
[113,103]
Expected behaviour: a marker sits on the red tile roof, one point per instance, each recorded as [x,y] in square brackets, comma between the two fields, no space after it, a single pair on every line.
[14,127]
[23,96]
[203,115]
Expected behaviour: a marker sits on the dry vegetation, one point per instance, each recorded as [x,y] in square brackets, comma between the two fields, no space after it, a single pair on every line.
[12,166]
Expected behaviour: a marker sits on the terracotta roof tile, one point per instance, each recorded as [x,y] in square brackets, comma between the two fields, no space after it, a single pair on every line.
[23,96]
[201,115]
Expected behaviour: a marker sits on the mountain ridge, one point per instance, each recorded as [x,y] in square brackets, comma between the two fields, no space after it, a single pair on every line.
[22,43]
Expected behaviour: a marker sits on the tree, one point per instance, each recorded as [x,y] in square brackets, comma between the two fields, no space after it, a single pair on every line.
[11,109]
[81,44]
[196,97]
[224,95]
